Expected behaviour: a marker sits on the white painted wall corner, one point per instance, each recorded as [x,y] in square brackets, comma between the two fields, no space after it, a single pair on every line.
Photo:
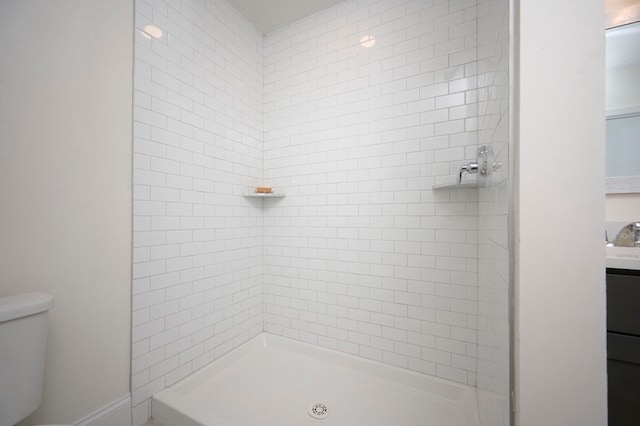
[117,413]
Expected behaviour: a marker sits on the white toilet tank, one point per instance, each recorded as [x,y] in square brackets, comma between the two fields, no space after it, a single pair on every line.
[23,339]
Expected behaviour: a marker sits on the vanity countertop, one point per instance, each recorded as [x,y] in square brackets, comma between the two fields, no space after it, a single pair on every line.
[623,257]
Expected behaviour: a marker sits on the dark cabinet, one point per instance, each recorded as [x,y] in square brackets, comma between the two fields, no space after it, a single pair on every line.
[623,346]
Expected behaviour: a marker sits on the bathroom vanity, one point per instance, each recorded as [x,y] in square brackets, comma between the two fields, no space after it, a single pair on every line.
[623,341]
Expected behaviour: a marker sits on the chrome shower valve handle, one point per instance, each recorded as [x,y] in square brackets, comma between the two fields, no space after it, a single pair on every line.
[484,165]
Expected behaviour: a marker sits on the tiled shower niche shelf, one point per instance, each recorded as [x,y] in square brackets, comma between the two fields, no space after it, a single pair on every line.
[455,185]
[263,195]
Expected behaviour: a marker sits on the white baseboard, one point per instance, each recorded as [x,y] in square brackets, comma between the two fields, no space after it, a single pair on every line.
[117,413]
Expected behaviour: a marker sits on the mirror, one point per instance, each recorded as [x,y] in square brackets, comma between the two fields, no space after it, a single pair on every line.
[623,108]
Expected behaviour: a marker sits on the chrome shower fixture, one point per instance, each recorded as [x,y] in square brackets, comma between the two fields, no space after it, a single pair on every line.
[484,157]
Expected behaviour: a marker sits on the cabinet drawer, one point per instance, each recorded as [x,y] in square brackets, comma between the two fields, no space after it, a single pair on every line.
[623,302]
[622,347]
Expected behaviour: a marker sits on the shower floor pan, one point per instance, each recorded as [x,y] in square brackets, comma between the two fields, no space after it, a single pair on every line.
[274,381]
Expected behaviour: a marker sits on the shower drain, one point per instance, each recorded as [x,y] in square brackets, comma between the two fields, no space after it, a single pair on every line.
[318,411]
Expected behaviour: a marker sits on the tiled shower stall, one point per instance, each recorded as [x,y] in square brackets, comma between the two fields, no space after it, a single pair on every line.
[362,255]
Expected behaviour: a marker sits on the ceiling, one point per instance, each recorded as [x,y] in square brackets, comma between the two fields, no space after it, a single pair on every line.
[270,15]
[622,12]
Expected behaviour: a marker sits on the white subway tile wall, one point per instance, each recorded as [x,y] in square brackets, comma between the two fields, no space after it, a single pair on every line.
[362,255]
[198,135]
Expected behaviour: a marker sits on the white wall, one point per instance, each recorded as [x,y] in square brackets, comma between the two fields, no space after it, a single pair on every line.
[65,185]
[560,342]
[622,208]
[362,255]
[197,288]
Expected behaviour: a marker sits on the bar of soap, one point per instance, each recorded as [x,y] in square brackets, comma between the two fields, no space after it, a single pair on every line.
[264,190]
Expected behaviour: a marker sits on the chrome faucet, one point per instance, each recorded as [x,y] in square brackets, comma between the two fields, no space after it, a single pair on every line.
[484,164]
[470,168]
[629,236]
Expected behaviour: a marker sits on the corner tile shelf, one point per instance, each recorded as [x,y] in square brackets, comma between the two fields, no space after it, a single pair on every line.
[263,195]
[455,185]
